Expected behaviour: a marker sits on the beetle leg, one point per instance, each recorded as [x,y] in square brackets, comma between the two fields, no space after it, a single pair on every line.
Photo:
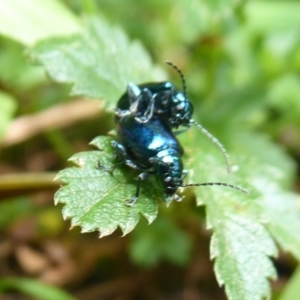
[141,177]
[122,112]
[150,108]
[176,132]
[123,155]
[109,169]
[138,106]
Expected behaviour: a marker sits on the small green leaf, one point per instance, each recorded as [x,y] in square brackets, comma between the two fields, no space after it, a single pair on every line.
[33,20]
[99,62]
[95,198]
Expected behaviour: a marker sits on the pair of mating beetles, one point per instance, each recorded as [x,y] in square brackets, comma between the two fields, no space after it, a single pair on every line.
[147,117]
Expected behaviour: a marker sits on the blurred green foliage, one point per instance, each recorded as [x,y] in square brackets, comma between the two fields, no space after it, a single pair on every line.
[242,63]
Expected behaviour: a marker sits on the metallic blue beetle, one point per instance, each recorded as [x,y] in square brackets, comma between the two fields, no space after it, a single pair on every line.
[146,116]
[162,100]
[156,99]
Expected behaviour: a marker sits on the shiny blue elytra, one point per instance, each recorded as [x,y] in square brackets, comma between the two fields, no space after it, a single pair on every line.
[153,148]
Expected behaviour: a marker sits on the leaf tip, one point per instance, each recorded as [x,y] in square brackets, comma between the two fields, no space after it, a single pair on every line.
[125,232]
[57,176]
[79,161]
[103,233]
[151,219]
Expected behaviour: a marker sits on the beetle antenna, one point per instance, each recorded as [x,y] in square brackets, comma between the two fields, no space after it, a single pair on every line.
[180,74]
[215,141]
[203,130]
[217,183]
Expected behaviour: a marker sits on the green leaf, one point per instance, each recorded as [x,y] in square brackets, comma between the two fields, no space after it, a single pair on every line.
[240,244]
[32,20]
[8,107]
[95,198]
[250,145]
[241,247]
[270,173]
[34,288]
[98,63]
